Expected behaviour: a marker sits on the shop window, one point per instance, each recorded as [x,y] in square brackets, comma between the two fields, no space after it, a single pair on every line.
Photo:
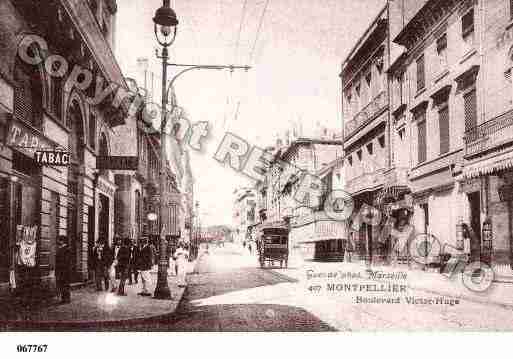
[467,27]
[470,103]
[443,119]
[421,73]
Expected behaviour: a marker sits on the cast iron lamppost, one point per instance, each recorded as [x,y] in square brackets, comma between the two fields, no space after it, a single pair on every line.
[166,24]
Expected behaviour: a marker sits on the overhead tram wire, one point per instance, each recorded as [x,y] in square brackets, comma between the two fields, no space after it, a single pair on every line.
[258,31]
[236,55]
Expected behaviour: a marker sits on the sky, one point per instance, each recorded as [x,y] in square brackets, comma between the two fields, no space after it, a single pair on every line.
[296,58]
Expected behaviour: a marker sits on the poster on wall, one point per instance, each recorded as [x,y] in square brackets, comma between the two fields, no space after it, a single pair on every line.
[26,240]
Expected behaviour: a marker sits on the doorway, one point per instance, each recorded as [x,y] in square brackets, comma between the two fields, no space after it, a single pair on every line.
[474,199]
[103,217]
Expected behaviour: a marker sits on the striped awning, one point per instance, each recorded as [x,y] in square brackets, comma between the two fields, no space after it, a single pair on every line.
[488,166]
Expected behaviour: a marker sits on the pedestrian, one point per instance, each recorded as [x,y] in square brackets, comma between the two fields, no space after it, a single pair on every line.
[132,269]
[181,258]
[153,254]
[117,246]
[123,259]
[113,270]
[63,269]
[101,260]
[145,262]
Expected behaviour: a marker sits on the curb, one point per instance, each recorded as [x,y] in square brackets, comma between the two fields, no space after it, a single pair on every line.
[7,325]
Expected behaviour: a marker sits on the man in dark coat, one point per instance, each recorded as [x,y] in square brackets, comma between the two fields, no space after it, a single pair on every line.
[123,259]
[101,260]
[133,270]
[145,262]
[63,269]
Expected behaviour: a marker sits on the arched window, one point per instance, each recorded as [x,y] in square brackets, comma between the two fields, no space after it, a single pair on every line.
[28,94]
[103,150]
[75,122]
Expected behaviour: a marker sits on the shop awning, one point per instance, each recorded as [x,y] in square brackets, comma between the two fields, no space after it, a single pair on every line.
[487,166]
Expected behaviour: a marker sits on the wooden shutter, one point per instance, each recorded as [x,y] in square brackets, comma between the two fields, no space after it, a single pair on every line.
[470,103]
[23,106]
[422,150]
[443,117]
[421,76]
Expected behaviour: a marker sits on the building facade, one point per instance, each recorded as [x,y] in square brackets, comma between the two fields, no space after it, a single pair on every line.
[367,146]
[245,215]
[280,199]
[447,134]
[42,109]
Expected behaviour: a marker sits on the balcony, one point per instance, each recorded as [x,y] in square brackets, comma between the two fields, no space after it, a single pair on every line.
[367,181]
[396,176]
[366,115]
[491,134]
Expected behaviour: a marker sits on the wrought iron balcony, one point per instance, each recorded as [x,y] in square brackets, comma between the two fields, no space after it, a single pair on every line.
[486,136]
[366,115]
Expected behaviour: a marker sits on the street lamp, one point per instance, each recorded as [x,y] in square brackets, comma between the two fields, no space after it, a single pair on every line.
[166,24]
[165,32]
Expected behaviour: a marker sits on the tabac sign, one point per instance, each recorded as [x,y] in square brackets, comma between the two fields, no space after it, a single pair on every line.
[52,158]
[28,140]
[128,163]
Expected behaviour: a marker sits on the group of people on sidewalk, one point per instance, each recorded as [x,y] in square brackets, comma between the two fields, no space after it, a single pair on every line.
[112,267]
[126,261]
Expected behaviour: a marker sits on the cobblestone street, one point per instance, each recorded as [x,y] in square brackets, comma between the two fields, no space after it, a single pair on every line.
[229,292]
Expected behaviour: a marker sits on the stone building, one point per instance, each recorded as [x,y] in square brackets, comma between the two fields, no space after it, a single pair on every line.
[42,107]
[446,122]
[365,103]
[280,201]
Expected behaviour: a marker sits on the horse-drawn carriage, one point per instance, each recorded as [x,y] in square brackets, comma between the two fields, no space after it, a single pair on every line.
[273,244]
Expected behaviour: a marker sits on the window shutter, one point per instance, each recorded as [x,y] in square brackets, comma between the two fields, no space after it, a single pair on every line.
[422,150]
[444,130]
[470,102]
[23,106]
[421,81]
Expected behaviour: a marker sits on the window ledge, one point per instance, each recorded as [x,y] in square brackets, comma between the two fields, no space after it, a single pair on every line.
[420,92]
[442,76]
[468,55]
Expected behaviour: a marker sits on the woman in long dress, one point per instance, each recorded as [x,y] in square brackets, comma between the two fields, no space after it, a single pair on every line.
[181,258]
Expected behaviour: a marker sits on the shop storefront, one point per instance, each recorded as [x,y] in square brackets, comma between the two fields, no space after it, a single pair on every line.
[319,237]
[30,212]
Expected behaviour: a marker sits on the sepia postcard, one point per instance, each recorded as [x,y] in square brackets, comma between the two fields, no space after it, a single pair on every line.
[255,166]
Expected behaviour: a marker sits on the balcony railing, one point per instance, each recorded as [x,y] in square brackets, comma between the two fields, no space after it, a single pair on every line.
[496,132]
[366,115]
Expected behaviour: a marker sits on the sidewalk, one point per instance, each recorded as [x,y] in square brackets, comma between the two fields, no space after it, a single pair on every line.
[89,306]
[499,293]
